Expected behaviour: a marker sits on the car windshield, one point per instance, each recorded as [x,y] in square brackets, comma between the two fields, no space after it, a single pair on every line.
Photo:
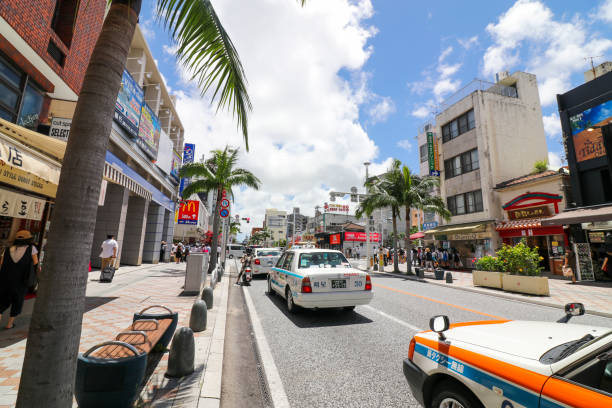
[321,259]
[561,351]
[268,253]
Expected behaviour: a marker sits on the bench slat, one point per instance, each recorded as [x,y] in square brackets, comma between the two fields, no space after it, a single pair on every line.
[113,351]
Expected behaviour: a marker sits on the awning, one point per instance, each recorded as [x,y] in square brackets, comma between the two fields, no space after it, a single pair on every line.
[45,144]
[580,215]
[456,228]
[417,235]
[118,177]
[519,224]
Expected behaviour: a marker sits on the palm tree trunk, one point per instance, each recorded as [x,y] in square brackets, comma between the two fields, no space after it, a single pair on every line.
[408,245]
[212,264]
[55,329]
[395,261]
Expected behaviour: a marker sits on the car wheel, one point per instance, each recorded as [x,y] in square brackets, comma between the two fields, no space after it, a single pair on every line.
[270,290]
[349,308]
[291,307]
[449,394]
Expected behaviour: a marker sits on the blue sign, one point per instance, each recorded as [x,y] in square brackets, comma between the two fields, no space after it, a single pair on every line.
[129,104]
[224,212]
[434,173]
[188,157]
[429,225]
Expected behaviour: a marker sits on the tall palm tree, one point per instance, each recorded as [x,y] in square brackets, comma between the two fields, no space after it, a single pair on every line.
[217,174]
[205,48]
[417,193]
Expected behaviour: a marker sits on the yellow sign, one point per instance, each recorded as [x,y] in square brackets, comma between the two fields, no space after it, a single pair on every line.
[22,179]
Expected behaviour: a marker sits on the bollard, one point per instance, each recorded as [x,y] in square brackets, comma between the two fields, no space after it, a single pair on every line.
[207,296]
[420,272]
[449,277]
[182,354]
[198,317]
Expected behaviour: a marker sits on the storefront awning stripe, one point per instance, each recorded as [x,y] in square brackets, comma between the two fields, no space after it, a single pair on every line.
[579,216]
[452,228]
[519,224]
[45,144]
[114,176]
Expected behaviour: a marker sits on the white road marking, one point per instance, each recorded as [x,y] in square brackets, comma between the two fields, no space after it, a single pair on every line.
[275,384]
[395,319]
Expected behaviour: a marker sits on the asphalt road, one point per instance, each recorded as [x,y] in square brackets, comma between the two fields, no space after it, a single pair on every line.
[334,358]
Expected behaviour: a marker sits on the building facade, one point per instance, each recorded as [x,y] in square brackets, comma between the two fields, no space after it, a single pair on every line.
[275,221]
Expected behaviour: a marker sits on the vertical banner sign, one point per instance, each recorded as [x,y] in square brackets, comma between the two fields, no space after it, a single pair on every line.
[129,104]
[584,262]
[436,155]
[431,155]
[188,156]
[188,212]
[176,164]
[148,132]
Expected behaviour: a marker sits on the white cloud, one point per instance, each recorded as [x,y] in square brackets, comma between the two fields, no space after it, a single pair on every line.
[170,49]
[382,110]
[552,126]
[554,161]
[445,86]
[425,110]
[304,131]
[468,42]
[605,11]
[445,53]
[147,29]
[553,49]
[405,144]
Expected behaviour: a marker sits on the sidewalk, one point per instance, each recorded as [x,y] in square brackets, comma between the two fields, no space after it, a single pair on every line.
[596,296]
[110,308]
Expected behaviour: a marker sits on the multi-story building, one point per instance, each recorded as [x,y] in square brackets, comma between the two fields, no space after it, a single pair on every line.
[275,221]
[301,222]
[487,133]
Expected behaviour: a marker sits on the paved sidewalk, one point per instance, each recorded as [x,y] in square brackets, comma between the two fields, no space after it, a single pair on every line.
[109,309]
[596,296]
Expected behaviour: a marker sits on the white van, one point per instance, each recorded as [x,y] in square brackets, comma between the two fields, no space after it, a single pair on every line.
[235,251]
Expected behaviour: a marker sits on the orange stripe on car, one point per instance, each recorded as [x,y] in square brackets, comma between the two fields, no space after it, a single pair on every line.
[574,395]
[517,375]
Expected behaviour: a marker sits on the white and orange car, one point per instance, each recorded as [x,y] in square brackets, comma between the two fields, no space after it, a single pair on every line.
[511,364]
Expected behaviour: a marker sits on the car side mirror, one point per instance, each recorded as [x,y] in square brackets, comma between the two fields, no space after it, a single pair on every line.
[439,324]
[571,310]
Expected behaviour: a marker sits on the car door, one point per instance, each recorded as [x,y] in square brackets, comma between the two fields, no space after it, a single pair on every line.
[283,276]
[275,275]
[588,384]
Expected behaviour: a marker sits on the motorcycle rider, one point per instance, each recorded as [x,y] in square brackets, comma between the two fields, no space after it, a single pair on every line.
[246,262]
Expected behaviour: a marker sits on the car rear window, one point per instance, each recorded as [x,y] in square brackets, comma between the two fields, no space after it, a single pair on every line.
[320,259]
[268,253]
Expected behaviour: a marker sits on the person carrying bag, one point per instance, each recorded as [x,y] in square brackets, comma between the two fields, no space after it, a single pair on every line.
[569,267]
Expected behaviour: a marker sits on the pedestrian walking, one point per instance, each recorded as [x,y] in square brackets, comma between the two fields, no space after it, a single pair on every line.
[357,252]
[17,273]
[445,258]
[178,253]
[428,259]
[456,259]
[186,253]
[162,251]
[569,267]
[109,252]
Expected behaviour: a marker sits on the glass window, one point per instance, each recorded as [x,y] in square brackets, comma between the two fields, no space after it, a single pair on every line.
[454,130]
[460,203]
[423,153]
[463,124]
[474,159]
[471,120]
[446,136]
[8,97]
[469,201]
[448,169]
[319,259]
[9,74]
[478,201]
[456,165]
[6,115]
[450,203]
[281,260]
[288,261]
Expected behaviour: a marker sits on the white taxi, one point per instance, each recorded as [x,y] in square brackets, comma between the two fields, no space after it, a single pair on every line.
[511,364]
[319,278]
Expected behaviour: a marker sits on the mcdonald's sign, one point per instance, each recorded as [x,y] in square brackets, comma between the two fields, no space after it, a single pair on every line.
[188,212]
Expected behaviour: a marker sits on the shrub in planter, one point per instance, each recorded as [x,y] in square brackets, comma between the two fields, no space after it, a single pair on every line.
[488,272]
[489,264]
[520,259]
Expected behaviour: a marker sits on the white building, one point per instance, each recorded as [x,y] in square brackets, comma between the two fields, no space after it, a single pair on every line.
[275,221]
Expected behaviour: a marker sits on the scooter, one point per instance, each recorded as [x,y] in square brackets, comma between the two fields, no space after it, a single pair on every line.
[247,276]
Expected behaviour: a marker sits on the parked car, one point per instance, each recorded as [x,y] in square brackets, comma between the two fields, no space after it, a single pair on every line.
[235,251]
[319,278]
[264,259]
[511,364]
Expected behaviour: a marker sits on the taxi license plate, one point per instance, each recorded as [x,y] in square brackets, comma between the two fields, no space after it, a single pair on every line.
[338,283]
[270,263]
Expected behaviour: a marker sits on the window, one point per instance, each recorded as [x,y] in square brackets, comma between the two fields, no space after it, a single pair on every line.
[287,262]
[463,163]
[318,259]
[63,20]
[281,260]
[595,373]
[458,126]
[20,100]
[423,152]
[466,203]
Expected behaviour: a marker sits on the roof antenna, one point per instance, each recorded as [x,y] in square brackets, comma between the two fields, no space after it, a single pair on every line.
[593,65]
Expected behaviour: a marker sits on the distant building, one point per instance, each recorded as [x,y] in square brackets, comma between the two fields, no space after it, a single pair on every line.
[275,221]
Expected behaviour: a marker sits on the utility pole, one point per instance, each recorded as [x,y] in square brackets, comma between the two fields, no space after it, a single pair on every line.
[366,164]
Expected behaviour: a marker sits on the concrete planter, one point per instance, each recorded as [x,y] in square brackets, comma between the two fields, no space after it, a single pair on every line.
[532,285]
[488,279]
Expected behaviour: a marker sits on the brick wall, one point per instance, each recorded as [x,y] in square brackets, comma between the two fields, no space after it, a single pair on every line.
[32,20]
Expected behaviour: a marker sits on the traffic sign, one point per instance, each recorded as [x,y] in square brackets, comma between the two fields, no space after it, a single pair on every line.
[225,203]
[224,212]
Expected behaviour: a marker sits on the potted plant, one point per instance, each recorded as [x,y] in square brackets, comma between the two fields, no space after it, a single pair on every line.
[523,271]
[488,272]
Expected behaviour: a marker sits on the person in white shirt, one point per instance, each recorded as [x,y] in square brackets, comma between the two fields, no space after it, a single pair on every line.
[109,252]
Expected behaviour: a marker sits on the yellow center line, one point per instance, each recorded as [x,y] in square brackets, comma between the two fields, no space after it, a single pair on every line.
[438,301]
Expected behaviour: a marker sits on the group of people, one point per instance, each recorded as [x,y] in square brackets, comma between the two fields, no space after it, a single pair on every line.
[180,252]
[431,258]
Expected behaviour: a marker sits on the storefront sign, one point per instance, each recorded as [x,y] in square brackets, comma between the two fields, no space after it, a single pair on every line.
[468,236]
[361,236]
[588,144]
[334,239]
[22,169]
[584,262]
[60,128]
[20,206]
[129,104]
[188,212]
[533,212]
[148,132]
[188,157]
[434,167]
[176,164]
[429,225]
[597,237]
[336,208]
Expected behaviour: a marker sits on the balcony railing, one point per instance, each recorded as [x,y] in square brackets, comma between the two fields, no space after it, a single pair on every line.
[477,85]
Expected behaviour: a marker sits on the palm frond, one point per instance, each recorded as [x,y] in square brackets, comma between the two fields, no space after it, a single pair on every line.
[206,50]
[198,186]
[199,170]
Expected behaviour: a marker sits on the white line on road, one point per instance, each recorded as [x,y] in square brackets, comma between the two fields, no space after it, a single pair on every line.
[277,391]
[395,319]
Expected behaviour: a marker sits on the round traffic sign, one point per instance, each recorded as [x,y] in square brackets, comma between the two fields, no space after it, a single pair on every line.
[224,212]
[225,203]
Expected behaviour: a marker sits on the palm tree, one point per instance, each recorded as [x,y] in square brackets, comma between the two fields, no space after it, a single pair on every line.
[205,48]
[234,228]
[217,174]
[417,193]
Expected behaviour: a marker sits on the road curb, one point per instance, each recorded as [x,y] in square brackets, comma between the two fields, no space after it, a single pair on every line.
[486,292]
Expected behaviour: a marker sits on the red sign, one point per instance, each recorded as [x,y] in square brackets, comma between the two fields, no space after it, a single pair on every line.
[188,212]
[361,236]
[334,239]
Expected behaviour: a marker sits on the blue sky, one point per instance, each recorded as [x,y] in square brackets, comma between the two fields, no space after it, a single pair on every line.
[366,74]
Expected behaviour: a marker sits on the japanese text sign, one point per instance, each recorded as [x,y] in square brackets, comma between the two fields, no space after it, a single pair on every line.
[20,206]
[361,236]
[188,212]
[334,239]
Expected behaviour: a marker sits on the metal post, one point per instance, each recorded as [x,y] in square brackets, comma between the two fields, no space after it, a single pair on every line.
[366,164]
[293,235]
[225,232]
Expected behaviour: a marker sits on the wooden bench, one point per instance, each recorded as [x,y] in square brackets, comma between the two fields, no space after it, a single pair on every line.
[142,334]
